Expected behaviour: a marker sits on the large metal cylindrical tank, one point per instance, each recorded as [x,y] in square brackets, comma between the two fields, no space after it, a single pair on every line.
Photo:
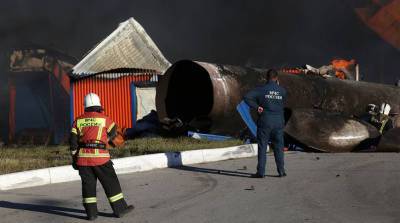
[192,90]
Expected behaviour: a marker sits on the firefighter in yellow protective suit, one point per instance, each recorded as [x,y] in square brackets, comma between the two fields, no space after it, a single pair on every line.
[90,137]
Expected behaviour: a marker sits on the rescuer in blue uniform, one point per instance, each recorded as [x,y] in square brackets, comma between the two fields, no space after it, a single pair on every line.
[269,100]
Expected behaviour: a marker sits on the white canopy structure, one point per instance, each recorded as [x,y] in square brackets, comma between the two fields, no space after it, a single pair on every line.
[129,46]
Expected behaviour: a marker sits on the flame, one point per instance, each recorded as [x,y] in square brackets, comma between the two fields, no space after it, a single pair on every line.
[340,64]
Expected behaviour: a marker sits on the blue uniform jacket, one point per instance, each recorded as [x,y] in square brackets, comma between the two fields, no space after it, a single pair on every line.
[271,97]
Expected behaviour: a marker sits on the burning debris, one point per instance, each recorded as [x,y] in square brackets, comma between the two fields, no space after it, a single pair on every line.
[338,68]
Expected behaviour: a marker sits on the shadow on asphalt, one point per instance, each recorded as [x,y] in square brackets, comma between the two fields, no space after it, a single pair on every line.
[213,171]
[270,175]
[175,162]
[48,209]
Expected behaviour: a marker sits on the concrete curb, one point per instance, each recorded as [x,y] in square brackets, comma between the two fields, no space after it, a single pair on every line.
[127,165]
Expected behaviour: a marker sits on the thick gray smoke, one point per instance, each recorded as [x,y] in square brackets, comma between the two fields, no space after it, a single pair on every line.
[241,32]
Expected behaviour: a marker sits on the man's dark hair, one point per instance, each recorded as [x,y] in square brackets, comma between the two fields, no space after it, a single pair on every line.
[271,74]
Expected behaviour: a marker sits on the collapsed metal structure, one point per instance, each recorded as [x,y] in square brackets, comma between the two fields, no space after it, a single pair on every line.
[38,96]
[321,113]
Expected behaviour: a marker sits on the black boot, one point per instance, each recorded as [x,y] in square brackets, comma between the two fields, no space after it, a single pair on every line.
[91,218]
[91,211]
[128,209]
[121,208]
[256,175]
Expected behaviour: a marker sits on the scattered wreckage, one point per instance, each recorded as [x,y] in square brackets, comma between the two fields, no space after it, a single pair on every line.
[321,113]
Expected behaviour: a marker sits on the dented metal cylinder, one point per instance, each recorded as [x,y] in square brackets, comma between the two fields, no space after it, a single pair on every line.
[195,90]
[191,90]
[328,131]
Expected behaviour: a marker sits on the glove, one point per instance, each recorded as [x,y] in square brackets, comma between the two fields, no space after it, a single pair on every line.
[74,159]
[74,165]
[260,110]
[118,140]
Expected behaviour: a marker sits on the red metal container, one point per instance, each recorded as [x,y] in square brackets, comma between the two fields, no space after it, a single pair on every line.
[115,94]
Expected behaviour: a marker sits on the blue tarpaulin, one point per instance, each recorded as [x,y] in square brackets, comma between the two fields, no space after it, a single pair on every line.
[244,111]
[209,137]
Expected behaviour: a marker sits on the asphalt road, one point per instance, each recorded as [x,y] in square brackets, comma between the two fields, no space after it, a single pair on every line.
[348,187]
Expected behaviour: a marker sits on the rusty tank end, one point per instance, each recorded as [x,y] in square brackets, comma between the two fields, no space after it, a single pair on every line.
[191,91]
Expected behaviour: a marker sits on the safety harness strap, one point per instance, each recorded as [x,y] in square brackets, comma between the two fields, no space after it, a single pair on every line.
[92,145]
[383,125]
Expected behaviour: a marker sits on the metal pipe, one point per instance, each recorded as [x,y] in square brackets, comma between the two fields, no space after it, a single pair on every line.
[357,72]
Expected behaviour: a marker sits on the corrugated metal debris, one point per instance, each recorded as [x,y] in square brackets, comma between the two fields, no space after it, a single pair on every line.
[40,59]
[129,46]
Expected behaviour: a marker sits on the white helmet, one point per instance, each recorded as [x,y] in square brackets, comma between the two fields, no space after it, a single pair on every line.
[91,100]
[371,108]
[385,109]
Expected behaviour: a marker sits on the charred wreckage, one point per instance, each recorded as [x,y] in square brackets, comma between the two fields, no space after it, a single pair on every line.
[322,113]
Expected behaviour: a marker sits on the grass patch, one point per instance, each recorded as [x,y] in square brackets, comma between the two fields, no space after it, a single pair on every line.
[15,159]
